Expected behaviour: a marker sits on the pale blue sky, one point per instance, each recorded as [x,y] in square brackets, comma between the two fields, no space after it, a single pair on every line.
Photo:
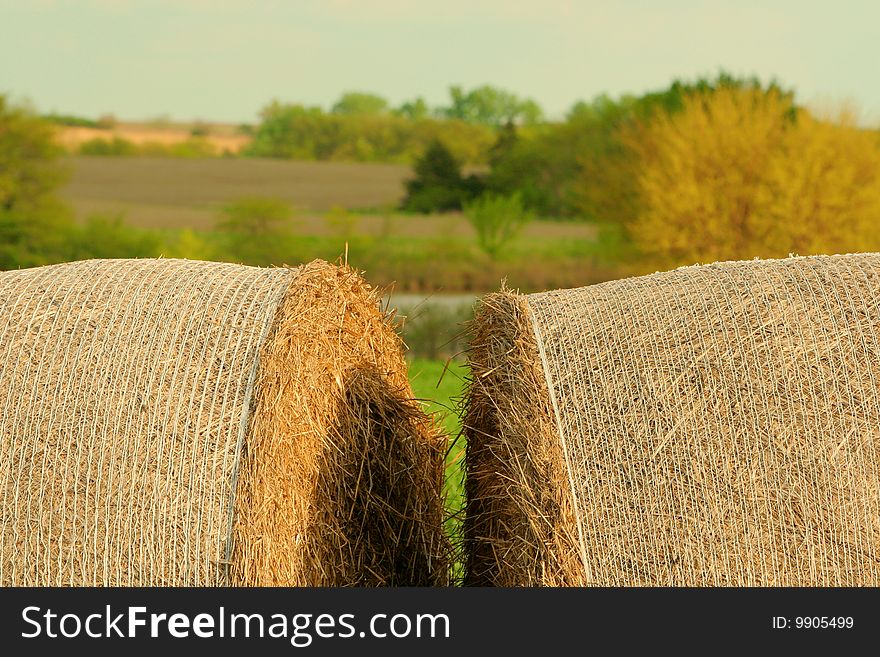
[225,59]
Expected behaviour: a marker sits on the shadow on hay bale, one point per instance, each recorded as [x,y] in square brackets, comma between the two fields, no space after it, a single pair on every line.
[389,462]
[169,422]
[714,425]
[369,511]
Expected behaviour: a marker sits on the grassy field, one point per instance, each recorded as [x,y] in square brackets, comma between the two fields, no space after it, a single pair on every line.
[179,201]
[448,264]
[441,389]
[177,193]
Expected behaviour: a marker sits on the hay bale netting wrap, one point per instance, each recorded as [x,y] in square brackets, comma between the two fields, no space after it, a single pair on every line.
[712,425]
[170,422]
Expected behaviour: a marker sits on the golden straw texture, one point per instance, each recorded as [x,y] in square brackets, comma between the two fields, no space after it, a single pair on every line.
[129,392]
[718,425]
[519,527]
[342,476]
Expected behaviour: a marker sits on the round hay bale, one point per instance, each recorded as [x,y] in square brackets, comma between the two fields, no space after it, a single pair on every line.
[170,422]
[714,425]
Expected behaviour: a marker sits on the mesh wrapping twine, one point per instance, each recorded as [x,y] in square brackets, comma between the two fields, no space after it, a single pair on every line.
[128,392]
[712,425]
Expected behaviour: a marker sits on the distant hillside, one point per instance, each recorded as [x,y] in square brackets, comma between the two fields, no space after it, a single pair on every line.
[221,138]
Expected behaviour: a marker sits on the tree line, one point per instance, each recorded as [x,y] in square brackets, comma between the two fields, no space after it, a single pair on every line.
[717,168]
[723,168]
[359,127]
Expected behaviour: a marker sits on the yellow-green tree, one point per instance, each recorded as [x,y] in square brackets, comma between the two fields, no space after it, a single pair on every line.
[737,173]
[824,189]
[34,225]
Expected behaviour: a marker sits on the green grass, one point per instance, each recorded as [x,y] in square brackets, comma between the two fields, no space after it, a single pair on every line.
[424,264]
[441,393]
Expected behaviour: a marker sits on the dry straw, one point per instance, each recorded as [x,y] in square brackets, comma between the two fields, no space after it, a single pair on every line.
[712,425]
[169,422]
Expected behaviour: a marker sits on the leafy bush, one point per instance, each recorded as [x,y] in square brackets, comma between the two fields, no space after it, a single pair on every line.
[117,146]
[192,148]
[257,230]
[491,106]
[358,102]
[37,236]
[71,120]
[191,245]
[34,224]
[497,220]
[107,236]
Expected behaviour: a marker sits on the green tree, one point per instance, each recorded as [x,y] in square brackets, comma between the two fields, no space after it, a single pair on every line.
[288,131]
[308,133]
[358,102]
[542,164]
[70,120]
[497,220]
[505,142]
[602,186]
[438,185]
[34,224]
[491,105]
[583,166]
[414,110]
[605,186]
